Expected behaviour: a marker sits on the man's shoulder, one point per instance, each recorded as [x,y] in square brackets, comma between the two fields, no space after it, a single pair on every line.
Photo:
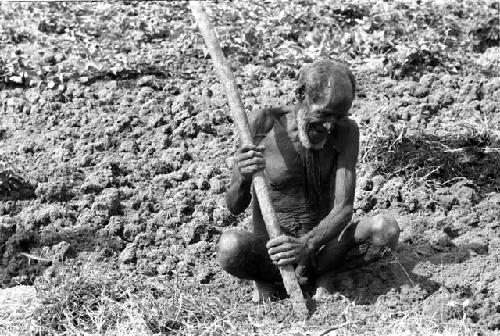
[262,120]
[271,112]
[347,126]
[346,134]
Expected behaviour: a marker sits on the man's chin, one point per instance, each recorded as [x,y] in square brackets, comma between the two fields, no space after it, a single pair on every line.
[317,145]
[307,143]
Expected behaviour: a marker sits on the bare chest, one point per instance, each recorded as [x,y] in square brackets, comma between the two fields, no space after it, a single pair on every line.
[285,167]
[286,173]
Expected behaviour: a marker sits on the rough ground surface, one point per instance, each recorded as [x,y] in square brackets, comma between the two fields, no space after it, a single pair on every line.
[115,140]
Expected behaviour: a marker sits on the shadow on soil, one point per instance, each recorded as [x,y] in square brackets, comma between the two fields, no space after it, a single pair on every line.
[437,162]
[393,274]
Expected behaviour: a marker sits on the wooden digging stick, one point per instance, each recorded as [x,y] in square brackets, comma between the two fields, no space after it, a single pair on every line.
[259,180]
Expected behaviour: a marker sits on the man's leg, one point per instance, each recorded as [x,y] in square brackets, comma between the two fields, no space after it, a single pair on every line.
[244,255]
[359,244]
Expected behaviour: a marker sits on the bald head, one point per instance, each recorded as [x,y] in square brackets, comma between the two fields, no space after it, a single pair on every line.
[327,85]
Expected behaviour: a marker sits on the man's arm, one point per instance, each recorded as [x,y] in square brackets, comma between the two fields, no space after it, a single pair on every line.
[248,160]
[344,181]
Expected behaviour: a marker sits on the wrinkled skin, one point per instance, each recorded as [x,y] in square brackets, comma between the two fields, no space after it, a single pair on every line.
[309,152]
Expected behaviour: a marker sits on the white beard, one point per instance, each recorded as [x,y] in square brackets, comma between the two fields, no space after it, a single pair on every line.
[303,137]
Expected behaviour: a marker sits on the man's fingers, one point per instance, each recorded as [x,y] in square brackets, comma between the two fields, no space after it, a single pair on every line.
[260,149]
[252,168]
[280,248]
[277,241]
[250,155]
[302,280]
[301,268]
[249,171]
[246,147]
[300,271]
[282,255]
[286,262]
[251,162]
[249,147]
[250,159]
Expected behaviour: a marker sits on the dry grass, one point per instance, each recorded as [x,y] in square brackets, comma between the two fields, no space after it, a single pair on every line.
[92,299]
[469,150]
[16,305]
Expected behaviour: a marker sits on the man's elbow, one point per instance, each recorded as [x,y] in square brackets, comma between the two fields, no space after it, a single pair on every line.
[233,205]
[346,213]
[349,214]
[234,210]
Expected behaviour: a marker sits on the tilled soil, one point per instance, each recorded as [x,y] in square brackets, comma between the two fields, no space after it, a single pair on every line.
[133,162]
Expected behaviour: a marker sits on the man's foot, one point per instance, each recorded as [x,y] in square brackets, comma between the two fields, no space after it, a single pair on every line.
[321,294]
[264,291]
[324,287]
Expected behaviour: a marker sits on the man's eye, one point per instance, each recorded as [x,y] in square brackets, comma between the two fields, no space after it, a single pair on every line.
[300,92]
[327,114]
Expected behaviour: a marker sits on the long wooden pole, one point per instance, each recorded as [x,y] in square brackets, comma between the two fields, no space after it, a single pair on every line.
[259,181]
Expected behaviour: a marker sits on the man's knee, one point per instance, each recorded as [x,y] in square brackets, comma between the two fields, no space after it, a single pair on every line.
[233,245]
[385,231]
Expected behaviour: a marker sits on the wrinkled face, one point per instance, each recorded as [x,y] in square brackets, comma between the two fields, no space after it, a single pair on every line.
[315,125]
[325,93]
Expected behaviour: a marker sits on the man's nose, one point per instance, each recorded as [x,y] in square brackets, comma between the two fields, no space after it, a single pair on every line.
[321,118]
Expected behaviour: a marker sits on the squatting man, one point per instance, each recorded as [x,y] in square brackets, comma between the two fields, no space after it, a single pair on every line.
[308,152]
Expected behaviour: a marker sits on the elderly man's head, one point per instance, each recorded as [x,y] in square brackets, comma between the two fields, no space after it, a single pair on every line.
[325,94]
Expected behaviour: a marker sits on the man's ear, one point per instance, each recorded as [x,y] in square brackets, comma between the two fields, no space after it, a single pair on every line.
[353,83]
[342,119]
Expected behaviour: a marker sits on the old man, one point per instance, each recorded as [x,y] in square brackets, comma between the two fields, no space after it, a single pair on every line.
[309,152]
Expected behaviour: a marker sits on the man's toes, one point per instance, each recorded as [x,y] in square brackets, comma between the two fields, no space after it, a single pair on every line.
[385,231]
[264,292]
[321,294]
[324,286]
